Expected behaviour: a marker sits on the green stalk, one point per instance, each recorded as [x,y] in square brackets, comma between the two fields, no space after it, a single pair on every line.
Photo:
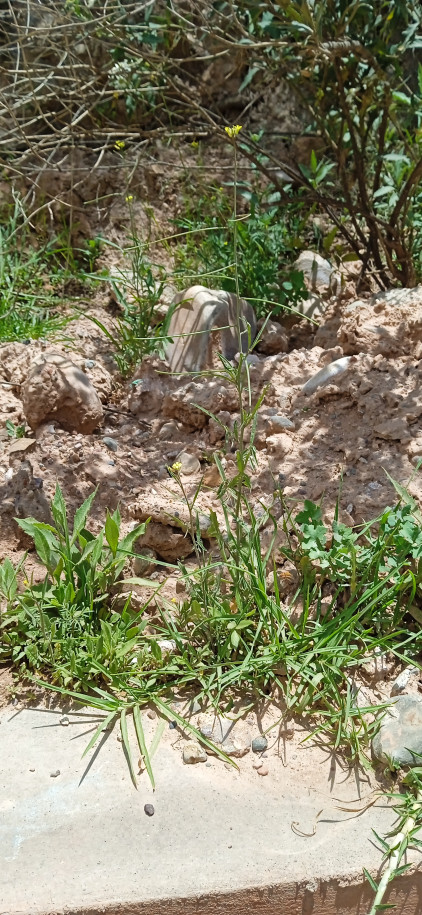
[396,852]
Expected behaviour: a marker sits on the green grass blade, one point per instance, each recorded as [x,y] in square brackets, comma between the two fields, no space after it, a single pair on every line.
[142,745]
[126,745]
[101,727]
[157,737]
[370,880]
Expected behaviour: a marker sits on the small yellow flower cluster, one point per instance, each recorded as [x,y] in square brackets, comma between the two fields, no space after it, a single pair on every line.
[195,144]
[129,198]
[233,131]
[119,144]
[176,466]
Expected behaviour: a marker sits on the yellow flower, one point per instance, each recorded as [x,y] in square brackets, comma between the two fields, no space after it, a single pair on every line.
[119,144]
[195,144]
[233,131]
[25,581]
[176,466]
[115,95]
[129,198]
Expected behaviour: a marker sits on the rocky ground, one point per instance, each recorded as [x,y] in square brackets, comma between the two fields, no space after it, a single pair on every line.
[343,406]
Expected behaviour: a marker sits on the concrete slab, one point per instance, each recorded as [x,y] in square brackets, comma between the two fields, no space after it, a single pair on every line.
[220,841]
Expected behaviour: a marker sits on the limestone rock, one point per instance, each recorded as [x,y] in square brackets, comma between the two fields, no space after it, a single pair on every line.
[399,738]
[327,375]
[318,273]
[389,323]
[185,403]
[22,496]
[273,340]
[193,753]
[56,389]
[147,388]
[395,429]
[201,316]
[189,462]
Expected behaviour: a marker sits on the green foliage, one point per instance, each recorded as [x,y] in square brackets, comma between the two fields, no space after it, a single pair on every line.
[265,241]
[26,269]
[140,328]
[14,431]
[69,624]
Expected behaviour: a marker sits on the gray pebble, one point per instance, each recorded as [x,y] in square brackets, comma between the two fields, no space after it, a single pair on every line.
[89,363]
[110,443]
[64,720]
[55,774]
[172,724]
[149,810]
[259,744]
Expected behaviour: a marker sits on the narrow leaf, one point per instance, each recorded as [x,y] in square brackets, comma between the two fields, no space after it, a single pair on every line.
[142,745]
[101,727]
[126,745]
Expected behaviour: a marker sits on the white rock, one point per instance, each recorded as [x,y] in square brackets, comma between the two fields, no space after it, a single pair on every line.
[318,271]
[193,753]
[326,375]
[402,680]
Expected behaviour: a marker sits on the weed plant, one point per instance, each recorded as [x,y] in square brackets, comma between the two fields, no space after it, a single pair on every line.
[265,244]
[26,305]
[71,625]
[140,329]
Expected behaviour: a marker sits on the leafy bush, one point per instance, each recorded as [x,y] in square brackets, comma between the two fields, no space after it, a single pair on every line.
[265,242]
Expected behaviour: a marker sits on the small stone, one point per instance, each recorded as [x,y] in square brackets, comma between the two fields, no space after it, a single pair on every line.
[89,363]
[349,508]
[189,462]
[149,810]
[399,739]
[193,753]
[259,744]
[263,770]
[64,721]
[32,770]
[257,763]
[23,446]
[235,748]
[110,443]
[172,725]
[151,714]
[278,423]
[55,774]
[273,339]
[402,680]
[8,475]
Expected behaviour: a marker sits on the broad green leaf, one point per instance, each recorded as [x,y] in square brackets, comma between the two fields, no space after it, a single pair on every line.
[58,508]
[112,533]
[81,515]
